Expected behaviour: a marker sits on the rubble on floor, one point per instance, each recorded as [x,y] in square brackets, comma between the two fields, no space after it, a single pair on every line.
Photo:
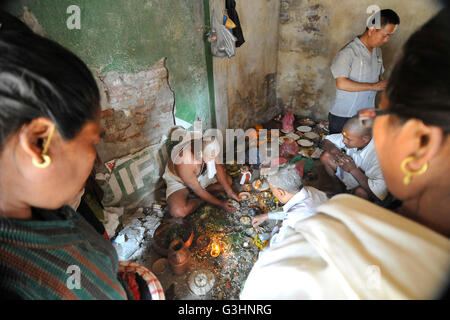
[134,240]
[223,276]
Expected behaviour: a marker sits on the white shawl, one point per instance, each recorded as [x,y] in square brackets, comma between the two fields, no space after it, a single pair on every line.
[352,249]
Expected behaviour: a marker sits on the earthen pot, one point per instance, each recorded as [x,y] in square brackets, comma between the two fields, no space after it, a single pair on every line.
[161,232]
[179,257]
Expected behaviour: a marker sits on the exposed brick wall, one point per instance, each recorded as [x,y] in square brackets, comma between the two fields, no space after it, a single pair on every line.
[137,112]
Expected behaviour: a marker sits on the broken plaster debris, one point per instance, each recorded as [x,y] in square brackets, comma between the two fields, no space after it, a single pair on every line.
[112,216]
[134,239]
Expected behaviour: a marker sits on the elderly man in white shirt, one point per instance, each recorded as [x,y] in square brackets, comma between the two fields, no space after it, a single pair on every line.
[299,202]
[351,157]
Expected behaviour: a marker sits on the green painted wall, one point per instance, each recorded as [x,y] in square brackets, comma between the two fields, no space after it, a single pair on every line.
[132,35]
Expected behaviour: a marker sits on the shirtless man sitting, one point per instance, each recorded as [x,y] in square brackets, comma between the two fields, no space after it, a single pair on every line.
[187,173]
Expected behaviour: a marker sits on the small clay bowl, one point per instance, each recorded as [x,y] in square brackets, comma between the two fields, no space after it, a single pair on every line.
[203,241]
[160,265]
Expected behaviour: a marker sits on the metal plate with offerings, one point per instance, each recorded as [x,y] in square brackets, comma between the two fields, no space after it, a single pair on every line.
[311,135]
[259,185]
[304,128]
[201,281]
[293,136]
[244,196]
[305,143]
[286,131]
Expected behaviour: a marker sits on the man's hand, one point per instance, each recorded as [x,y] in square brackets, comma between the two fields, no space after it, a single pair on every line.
[228,207]
[347,164]
[335,152]
[380,85]
[260,218]
[339,155]
[231,194]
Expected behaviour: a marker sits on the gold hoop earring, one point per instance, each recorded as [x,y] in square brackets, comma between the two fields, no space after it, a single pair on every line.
[47,159]
[42,165]
[410,174]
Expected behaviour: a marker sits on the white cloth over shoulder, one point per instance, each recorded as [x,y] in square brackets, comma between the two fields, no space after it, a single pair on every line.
[352,249]
[367,160]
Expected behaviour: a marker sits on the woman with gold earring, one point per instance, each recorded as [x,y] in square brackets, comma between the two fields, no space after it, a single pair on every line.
[49,127]
[366,251]
[413,139]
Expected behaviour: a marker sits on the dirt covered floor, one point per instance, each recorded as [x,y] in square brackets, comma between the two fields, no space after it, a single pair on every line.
[222,277]
[235,236]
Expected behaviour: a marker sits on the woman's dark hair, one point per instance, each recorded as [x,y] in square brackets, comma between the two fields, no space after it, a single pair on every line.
[419,86]
[40,78]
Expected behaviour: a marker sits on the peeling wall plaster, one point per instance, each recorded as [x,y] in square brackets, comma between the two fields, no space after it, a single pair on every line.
[311,32]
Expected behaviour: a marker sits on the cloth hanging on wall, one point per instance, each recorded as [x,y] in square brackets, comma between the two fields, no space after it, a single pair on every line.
[230,6]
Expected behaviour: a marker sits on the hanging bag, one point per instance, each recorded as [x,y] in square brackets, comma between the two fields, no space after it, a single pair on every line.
[225,45]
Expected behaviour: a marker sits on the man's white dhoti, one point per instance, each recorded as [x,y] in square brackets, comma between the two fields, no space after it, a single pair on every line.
[174,183]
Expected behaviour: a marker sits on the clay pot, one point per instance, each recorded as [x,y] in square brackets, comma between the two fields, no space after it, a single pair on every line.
[159,243]
[202,241]
[159,265]
[179,257]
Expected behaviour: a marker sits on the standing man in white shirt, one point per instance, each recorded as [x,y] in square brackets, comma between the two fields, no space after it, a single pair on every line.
[357,69]
[299,202]
[351,157]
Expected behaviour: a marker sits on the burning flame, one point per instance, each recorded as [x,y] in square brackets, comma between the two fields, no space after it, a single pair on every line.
[215,250]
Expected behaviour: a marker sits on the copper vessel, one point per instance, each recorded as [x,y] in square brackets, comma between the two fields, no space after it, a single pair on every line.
[179,257]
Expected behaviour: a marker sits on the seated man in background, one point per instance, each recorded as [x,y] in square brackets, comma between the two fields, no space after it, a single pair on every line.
[351,157]
[299,202]
[187,171]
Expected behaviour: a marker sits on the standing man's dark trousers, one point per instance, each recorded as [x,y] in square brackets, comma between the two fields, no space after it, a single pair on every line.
[335,123]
